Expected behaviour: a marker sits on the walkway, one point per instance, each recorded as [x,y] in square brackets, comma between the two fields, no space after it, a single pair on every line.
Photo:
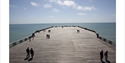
[64,46]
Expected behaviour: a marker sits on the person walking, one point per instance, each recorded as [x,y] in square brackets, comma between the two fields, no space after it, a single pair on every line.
[31,52]
[33,35]
[101,55]
[29,38]
[28,52]
[106,55]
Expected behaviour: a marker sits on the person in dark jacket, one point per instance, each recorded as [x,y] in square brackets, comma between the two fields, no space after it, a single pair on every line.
[106,55]
[28,52]
[33,35]
[31,52]
[101,55]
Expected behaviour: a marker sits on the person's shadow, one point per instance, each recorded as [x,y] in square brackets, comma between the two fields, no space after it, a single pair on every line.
[102,61]
[26,58]
[30,59]
[107,61]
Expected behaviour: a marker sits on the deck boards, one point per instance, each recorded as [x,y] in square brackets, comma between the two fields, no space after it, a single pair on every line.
[64,46]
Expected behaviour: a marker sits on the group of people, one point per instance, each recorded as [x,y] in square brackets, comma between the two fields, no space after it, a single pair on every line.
[33,35]
[29,52]
[106,56]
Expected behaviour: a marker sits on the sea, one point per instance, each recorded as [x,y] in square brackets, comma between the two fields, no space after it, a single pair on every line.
[20,31]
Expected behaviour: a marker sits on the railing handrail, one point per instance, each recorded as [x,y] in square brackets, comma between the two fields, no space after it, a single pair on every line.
[18,40]
[98,36]
[26,38]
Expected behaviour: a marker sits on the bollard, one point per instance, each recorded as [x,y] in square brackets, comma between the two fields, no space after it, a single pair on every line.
[20,41]
[25,39]
[104,39]
[100,38]
[110,42]
[14,44]
[85,28]
[97,35]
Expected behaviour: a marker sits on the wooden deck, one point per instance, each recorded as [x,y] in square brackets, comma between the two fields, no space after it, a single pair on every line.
[64,46]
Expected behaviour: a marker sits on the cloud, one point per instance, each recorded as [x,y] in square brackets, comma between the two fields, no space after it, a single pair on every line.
[25,8]
[55,10]
[79,8]
[81,14]
[34,4]
[47,5]
[70,3]
[13,6]
[84,8]
[67,3]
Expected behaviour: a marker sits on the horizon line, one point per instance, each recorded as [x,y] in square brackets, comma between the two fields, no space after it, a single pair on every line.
[62,23]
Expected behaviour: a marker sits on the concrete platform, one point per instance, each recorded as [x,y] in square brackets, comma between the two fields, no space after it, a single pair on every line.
[64,46]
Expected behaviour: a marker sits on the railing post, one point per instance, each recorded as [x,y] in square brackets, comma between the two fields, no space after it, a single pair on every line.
[97,35]
[110,42]
[20,41]
[104,39]
[25,39]
[13,44]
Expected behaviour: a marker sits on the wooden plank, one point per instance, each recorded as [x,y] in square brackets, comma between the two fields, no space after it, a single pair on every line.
[64,46]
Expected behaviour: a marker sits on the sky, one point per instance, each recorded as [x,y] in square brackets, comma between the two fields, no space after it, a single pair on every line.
[61,11]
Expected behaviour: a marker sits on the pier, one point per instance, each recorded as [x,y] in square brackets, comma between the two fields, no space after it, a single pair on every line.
[65,45]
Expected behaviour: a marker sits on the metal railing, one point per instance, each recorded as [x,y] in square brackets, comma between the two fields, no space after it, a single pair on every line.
[18,42]
[12,44]
[101,38]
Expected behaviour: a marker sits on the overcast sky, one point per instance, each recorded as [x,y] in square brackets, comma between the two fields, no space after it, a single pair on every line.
[61,11]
